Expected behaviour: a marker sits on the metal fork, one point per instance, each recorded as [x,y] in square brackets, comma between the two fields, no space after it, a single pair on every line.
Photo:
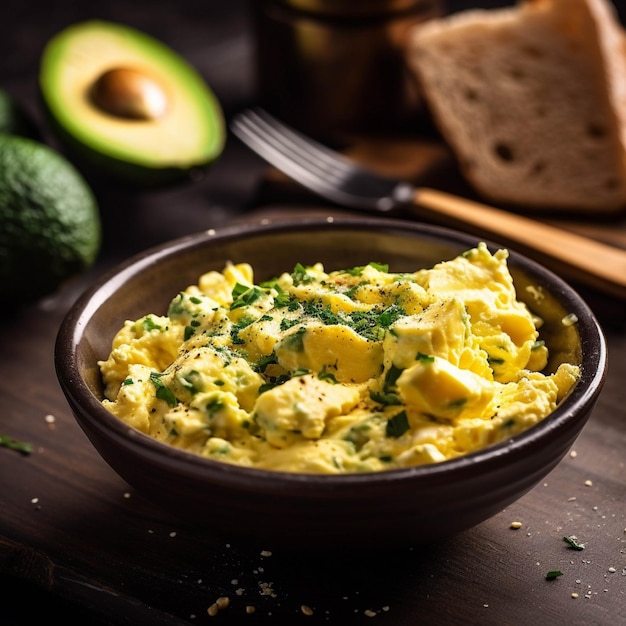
[341,181]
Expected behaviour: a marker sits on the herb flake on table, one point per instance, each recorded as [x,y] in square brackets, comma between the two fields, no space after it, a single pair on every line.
[13,444]
[574,543]
[553,575]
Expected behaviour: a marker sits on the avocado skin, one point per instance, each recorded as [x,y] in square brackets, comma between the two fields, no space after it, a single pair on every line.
[51,229]
[97,164]
[15,120]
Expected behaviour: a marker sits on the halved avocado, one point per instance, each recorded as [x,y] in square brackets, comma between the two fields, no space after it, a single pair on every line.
[128,106]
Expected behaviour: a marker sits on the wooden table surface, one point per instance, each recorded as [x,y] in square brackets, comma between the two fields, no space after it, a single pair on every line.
[77,543]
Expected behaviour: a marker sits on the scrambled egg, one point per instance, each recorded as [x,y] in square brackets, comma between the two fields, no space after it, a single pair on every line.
[350,371]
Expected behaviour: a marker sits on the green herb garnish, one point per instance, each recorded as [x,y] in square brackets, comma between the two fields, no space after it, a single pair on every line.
[281,298]
[574,543]
[264,361]
[381,267]
[358,270]
[553,575]
[163,392]
[397,425]
[244,322]
[324,374]
[286,324]
[391,377]
[176,307]
[354,271]
[245,296]
[294,341]
[213,406]
[149,324]
[192,381]
[358,435]
[13,444]
[388,399]
[300,275]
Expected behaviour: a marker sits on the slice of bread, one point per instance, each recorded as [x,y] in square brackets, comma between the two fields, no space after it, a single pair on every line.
[532,100]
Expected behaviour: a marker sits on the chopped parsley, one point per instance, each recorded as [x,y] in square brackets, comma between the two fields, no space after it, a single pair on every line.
[300,276]
[391,378]
[13,444]
[324,374]
[397,425]
[234,331]
[176,308]
[295,341]
[273,382]
[553,575]
[192,381]
[358,435]
[389,398]
[213,406]
[162,391]
[371,324]
[286,323]
[149,324]
[281,299]
[245,296]
[358,270]
[264,361]
[574,543]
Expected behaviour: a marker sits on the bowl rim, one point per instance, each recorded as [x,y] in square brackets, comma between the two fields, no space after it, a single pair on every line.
[81,398]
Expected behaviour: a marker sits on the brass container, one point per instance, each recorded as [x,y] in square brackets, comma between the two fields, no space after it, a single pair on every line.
[337,67]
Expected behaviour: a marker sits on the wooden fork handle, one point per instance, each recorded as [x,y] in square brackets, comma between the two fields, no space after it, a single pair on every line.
[572,256]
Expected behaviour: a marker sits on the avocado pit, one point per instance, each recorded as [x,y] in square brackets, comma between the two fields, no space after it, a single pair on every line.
[130,93]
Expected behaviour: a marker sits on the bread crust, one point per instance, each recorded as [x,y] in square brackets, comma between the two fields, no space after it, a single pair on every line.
[532,101]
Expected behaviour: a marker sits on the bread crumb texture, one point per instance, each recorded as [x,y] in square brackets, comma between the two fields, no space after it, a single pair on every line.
[532,100]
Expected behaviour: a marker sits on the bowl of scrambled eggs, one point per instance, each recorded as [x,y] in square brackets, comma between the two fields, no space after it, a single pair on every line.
[331,379]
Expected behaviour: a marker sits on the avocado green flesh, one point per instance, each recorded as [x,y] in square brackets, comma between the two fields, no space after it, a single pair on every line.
[190,135]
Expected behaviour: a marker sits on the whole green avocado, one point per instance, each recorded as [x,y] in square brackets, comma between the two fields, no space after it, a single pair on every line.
[127,106]
[50,228]
[14,119]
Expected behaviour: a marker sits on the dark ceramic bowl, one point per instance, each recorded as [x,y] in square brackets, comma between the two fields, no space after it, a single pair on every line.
[408,505]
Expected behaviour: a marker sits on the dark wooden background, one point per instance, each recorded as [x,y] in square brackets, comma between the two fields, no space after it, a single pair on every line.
[77,544]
